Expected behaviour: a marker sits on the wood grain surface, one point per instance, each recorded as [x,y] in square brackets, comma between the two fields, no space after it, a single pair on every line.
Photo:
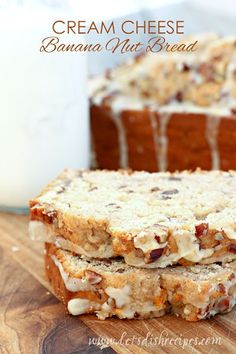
[33,321]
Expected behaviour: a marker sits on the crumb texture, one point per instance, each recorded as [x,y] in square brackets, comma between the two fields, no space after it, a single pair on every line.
[150,219]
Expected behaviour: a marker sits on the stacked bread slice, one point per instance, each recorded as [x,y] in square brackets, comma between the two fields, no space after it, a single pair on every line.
[139,244]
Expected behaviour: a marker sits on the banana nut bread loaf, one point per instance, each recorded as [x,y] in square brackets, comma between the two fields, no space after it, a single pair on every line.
[112,288]
[150,219]
[168,111]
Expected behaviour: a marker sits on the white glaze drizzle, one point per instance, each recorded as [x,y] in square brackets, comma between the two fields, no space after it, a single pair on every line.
[212,125]
[123,147]
[154,125]
[163,141]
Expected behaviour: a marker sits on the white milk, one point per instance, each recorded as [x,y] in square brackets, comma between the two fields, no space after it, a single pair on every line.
[43,106]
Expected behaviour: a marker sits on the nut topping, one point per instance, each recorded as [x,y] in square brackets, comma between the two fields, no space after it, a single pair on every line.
[165,197]
[179,96]
[232,276]
[50,216]
[92,188]
[222,288]
[170,192]
[157,238]
[92,277]
[201,230]
[155,189]
[185,67]
[232,248]
[155,254]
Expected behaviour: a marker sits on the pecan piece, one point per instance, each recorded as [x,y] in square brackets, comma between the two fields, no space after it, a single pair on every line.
[222,288]
[170,192]
[224,304]
[231,277]
[201,230]
[185,67]
[155,254]
[157,238]
[179,96]
[207,238]
[155,189]
[92,277]
[232,248]
[165,197]
[49,216]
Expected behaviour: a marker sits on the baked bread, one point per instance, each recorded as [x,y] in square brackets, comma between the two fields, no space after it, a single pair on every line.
[150,219]
[112,288]
[168,111]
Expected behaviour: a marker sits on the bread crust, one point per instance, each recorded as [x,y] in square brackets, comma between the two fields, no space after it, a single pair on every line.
[116,289]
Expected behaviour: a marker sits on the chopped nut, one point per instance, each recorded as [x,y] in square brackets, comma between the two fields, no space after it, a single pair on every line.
[222,288]
[232,248]
[64,186]
[122,186]
[155,189]
[232,276]
[61,189]
[93,188]
[185,67]
[223,305]
[184,262]
[155,254]
[179,96]
[50,216]
[201,230]
[170,192]
[165,197]
[208,241]
[116,206]
[92,277]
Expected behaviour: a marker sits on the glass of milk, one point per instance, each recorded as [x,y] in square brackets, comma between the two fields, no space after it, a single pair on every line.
[43,104]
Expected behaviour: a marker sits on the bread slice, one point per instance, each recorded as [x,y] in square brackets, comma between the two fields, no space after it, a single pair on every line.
[150,219]
[112,288]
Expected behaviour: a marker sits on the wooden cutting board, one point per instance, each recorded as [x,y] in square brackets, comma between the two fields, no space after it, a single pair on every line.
[33,321]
